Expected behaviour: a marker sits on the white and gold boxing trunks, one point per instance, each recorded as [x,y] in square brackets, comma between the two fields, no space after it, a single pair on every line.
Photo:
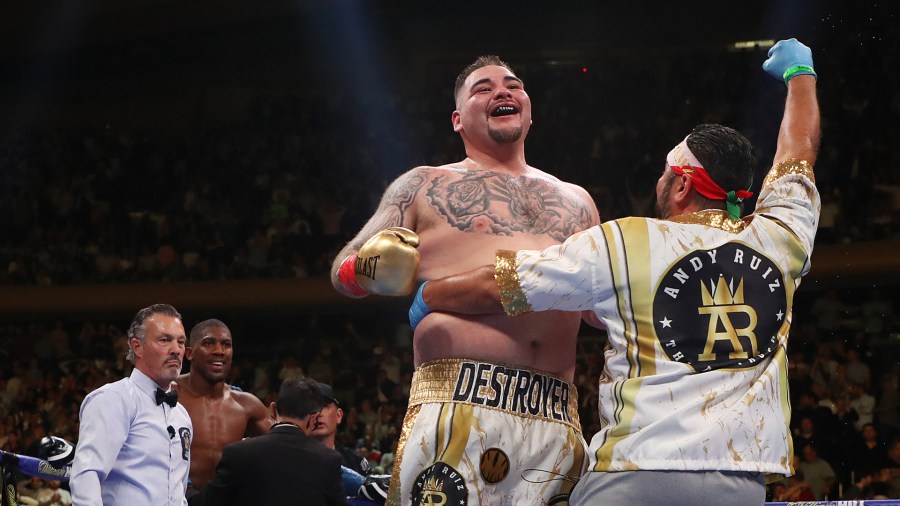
[478,433]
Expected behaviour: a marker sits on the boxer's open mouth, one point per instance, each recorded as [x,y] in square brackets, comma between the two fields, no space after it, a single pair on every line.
[504,110]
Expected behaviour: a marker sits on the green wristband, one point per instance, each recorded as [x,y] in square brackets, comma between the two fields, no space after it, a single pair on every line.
[799,70]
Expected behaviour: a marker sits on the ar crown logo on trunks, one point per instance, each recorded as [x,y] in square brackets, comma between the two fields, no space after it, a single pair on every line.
[516,391]
[439,485]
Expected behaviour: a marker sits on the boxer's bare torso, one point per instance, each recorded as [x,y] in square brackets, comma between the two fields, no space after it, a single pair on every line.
[463,214]
[220,416]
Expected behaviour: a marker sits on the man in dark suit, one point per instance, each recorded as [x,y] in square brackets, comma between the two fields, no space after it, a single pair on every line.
[283,466]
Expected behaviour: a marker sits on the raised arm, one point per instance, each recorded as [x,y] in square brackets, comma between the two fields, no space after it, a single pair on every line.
[799,135]
[788,194]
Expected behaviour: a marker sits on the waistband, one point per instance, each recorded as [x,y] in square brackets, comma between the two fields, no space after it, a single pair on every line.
[522,392]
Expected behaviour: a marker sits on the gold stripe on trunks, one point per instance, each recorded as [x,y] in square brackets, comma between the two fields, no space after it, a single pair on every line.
[393,498]
[579,464]
[461,423]
[523,392]
[511,295]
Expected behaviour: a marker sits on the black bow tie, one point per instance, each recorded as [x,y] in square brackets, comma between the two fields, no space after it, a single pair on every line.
[170,398]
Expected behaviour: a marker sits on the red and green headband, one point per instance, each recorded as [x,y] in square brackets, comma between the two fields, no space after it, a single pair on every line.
[683,162]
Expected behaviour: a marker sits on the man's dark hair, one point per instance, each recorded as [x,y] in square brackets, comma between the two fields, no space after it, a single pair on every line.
[725,154]
[481,61]
[298,398]
[137,329]
[200,329]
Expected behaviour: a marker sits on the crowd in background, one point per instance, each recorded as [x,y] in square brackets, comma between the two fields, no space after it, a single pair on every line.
[278,193]
[844,378]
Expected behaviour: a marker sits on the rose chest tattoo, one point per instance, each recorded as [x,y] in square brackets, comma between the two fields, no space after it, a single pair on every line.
[509,204]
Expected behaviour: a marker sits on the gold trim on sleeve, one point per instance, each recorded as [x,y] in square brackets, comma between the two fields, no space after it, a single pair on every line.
[511,295]
[788,167]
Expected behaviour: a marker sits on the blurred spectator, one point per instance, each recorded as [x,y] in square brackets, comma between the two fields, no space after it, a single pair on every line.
[893,474]
[794,488]
[824,372]
[869,455]
[34,491]
[887,407]
[818,473]
[808,407]
[805,434]
[862,403]
[857,371]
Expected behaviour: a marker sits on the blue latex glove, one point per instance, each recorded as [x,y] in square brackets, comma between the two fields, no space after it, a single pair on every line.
[789,58]
[419,309]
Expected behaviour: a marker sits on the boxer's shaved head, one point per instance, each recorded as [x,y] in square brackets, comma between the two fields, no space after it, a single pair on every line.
[201,329]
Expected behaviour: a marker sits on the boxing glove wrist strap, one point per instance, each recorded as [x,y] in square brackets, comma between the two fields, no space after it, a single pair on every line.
[347,277]
[799,70]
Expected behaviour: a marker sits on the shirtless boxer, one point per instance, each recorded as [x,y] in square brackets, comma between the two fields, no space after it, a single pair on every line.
[463,438]
[220,415]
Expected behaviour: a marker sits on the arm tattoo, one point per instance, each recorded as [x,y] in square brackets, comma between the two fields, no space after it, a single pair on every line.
[509,204]
[391,212]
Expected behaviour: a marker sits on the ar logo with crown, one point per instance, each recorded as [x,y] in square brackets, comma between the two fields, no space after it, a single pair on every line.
[721,308]
[439,485]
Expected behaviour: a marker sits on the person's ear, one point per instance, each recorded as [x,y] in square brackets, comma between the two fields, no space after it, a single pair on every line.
[273,410]
[137,347]
[681,189]
[456,121]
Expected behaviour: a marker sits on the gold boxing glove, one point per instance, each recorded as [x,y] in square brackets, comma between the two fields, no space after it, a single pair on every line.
[387,264]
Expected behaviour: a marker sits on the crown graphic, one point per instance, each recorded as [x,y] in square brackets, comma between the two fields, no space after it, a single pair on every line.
[722,294]
[433,484]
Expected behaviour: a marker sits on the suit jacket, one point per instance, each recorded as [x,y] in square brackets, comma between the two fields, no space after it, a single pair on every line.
[282,467]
